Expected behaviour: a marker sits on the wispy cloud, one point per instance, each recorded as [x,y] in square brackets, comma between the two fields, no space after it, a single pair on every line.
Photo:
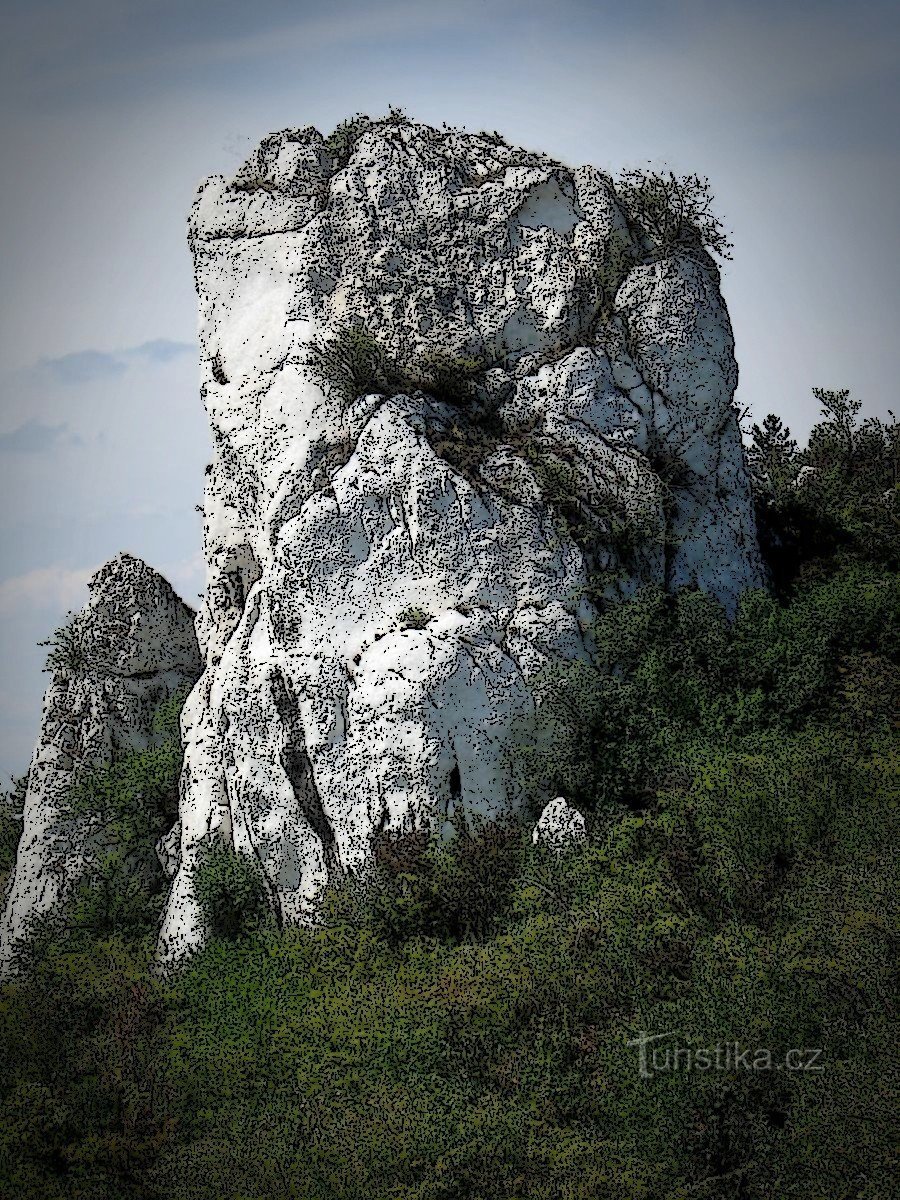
[161,350]
[84,366]
[34,437]
[90,366]
[105,46]
[54,589]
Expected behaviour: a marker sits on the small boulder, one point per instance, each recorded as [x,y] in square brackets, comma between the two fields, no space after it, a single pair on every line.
[559,826]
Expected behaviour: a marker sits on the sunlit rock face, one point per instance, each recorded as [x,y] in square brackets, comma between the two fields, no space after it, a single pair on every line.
[390,563]
[129,650]
[560,826]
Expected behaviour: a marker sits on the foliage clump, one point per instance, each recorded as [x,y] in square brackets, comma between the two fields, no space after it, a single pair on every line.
[834,502]
[69,652]
[255,183]
[354,363]
[449,378]
[414,618]
[339,144]
[669,667]
[231,892]
[129,804]
[420,886]
[673,210]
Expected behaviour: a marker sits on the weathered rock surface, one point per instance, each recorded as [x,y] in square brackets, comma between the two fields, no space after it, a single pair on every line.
[559,826]
[389,564]
[128,650]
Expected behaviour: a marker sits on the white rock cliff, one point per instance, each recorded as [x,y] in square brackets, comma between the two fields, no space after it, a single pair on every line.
[131,648]
[455,392]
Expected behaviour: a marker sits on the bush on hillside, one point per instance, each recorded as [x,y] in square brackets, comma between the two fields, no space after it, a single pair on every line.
[231,892]
[422,887]
[463,1026]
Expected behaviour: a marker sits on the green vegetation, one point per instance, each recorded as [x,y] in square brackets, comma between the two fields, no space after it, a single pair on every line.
[231,892]
[68,653]
[354,363]
[672,669]
[462,1025]
[674,210]
[340,143]
[256,184]
[420,888]
[396,116]
[835,502]
[448,377]
[414,618]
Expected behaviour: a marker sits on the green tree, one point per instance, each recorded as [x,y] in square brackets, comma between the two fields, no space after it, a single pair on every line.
[772,457]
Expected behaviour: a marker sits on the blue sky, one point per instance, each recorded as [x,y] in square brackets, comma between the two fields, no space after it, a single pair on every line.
[112,111]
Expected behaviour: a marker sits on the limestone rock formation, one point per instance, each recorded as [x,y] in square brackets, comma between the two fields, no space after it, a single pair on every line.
[132,647]
[456,391]
[559,826]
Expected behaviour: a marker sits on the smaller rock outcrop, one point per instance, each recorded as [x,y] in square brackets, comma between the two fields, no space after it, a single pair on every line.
[129,650]
[559,826]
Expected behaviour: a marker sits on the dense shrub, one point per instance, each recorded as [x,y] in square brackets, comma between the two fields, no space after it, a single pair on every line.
[449,378]
[69,653]
[354,363]
[675,210]
[128,805]
[133,801]
[231,892]
[672,670]
[414,617]
[419,887]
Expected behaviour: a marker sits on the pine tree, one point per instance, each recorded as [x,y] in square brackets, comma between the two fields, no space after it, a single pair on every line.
[772,456]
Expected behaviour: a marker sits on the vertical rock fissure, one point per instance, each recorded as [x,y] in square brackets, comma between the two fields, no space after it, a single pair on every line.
[298,768]
[453,812]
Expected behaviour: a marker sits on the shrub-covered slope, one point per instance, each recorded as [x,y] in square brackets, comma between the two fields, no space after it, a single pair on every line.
[462,1026]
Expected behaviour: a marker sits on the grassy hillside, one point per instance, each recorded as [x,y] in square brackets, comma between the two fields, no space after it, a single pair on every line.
[463,1025]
